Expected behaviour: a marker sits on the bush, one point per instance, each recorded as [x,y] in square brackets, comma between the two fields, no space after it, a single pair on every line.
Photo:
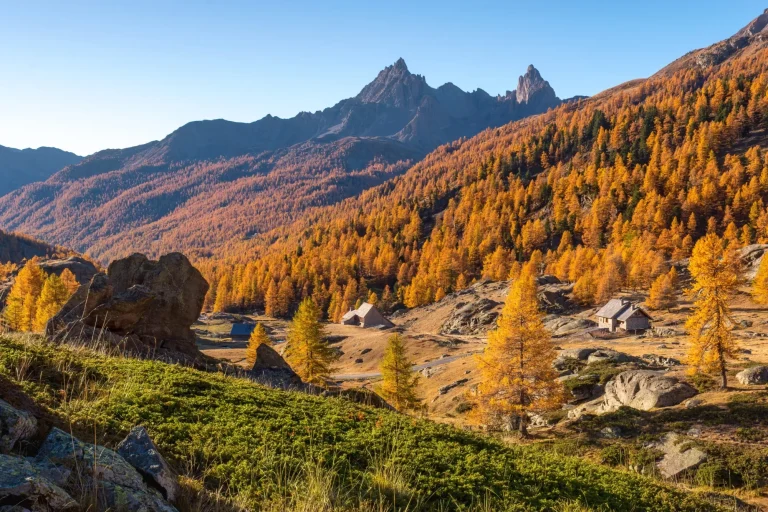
[711,474]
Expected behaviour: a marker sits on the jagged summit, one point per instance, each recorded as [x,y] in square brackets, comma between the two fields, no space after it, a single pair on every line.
[531,87]
[395,86]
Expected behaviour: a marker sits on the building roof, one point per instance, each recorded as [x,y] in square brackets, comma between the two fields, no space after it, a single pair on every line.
[349,314]
[620,309]
[365,308]
[613,308]
[241,329]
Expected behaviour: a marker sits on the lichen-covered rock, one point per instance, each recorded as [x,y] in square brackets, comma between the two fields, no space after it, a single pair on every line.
[61,449]
[140,305]
[21,484]
[753,376]
[140,451]
[677,456]
[15,426]
[644,390]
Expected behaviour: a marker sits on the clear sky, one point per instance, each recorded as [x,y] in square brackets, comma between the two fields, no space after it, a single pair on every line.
[85,76]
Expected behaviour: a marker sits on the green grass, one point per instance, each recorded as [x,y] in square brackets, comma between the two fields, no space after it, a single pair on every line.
[260,449]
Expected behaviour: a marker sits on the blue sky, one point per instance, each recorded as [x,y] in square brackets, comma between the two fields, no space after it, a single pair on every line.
[85,76]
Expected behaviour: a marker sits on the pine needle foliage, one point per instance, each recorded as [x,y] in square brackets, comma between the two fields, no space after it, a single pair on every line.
[258,337]
[516,366]
[399,381]
[307,352]
[716,273]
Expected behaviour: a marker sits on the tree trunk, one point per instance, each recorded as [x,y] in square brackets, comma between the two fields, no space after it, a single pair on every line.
[723,374]
[523,427]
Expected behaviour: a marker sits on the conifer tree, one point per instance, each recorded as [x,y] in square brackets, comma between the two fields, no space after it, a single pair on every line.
[760,283]
[222,295]
[52,297]
[258,337]
[662,292]
[307,352]
[516,366]
[716,275]
[21,305]
[70,281]
[271,305]
[399,381]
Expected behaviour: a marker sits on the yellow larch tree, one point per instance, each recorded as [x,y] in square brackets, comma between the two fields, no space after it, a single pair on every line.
[516,371]
[716,273]
[52,297]
[258,337]
[760,283]
[70,281]
[662,292]
[307,351]
[399,381]
[21,305]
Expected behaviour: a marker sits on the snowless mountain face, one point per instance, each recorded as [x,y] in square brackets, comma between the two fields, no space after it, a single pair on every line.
[19,167]
[252,177]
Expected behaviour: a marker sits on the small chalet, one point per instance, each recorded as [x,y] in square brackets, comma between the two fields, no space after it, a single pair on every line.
[241,332]
[367,315]
[623,314]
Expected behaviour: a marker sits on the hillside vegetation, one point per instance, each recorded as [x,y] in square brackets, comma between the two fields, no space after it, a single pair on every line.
[243,446]
[603,193]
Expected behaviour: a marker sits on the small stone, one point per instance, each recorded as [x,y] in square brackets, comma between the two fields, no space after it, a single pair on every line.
[358,360]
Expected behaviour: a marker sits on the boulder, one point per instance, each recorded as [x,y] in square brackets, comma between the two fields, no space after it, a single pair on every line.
[644,390]
[609,355]
[15,426]
[22,485]
[677,457]
[271,370]
[751,256]
[83,269]
[141,453]
[564,325]
[579,354]
[143,306]
[753,376]
[61,449]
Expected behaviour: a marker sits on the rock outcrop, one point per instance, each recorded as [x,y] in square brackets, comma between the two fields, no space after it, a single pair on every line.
[83,269]
[66,470]
[475,317]
[271,370]
[644,390]
[15,426]
[677,457]
[142,306]
[639,389]
[753,376]
[140,452]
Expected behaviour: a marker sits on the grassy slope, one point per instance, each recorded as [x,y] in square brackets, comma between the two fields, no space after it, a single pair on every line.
[263,447]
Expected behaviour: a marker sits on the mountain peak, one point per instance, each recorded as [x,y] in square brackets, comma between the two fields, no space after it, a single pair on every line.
[532,84]
[395,86]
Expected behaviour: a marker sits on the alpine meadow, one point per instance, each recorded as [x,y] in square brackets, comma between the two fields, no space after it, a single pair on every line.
[420,298]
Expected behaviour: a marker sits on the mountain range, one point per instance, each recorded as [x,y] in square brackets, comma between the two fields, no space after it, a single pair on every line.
[19,167]
[246,178]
